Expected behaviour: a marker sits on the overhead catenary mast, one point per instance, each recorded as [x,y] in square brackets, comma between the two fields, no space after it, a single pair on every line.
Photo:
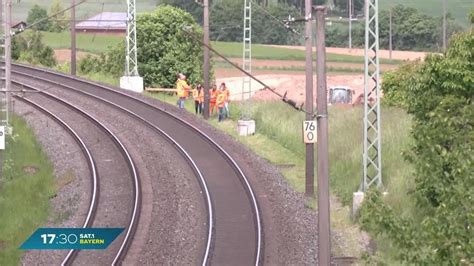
[247,60]
[131,80]
[245,125]
[372,156]
[5,43]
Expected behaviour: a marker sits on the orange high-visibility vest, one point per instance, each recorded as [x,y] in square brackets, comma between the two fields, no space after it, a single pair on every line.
[213,96]
[227,94]
[201,96]
[195,94]
[181,88]
[221,99]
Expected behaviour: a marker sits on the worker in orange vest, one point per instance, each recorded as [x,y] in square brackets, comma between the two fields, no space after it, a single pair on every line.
[212,99]
[198,96]
[220,102]
[226,92]
[182,89]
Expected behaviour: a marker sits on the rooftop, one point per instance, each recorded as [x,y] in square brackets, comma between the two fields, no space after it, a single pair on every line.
[105,21]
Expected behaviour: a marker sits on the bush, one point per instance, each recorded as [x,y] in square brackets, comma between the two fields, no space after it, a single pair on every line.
[29,47]
[396,84]
[165,49]
[440,99]
[111,62]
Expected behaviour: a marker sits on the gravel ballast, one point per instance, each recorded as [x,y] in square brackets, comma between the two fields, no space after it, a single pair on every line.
[172,226]
[289,227]
[69,206]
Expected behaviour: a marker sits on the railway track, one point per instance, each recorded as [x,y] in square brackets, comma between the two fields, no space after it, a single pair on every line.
[234,225]
[92,149]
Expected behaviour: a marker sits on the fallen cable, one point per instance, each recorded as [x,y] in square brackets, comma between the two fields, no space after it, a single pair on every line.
[283,97]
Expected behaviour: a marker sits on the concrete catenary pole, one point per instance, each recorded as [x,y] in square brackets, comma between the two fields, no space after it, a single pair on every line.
[206,59]
[309,187]
[324,239]
[73,38]
[444,25]
[390,34]
[350,24]
[8,58]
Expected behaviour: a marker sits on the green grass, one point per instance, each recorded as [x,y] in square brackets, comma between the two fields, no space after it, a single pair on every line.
[96,43]
[24,195]
[234,49]
[85,42]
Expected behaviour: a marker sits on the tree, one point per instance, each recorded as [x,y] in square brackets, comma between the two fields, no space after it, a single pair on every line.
[36,14]
[165,49]
[29,47]
[440,98]
[191,7]
[61,21]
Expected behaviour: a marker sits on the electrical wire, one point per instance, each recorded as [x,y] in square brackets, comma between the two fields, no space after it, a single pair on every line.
[282,23]
[283,97]
[47,18]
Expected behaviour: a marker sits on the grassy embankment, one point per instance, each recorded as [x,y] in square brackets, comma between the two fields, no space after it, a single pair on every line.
[26,186]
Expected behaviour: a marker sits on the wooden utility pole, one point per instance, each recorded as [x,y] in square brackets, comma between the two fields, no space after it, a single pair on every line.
[309,187]
[324,239]
[206,59]
[73,38]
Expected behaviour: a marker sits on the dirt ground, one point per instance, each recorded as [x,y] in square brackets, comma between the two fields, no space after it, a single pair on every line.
[64,55]
[292,84]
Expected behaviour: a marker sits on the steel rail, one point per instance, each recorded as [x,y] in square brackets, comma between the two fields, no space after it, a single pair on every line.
[133,223]
[199,132]
[90,160]
[188,158]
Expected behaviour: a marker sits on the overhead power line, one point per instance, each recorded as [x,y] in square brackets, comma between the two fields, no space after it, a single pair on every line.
[283,23]
[47,18]
[283,97]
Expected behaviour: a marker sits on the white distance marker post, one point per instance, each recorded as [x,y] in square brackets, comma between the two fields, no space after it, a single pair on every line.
[310,131]
[2,137]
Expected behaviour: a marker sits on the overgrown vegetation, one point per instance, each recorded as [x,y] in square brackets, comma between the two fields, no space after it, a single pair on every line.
[412,29]
[439,95]
[164,49]
[28,47]
[58,23]
[26,185]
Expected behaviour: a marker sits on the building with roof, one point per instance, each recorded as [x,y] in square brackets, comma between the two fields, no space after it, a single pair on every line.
[114,23]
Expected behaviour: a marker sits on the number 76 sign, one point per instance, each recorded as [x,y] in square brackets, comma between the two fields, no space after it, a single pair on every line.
[309,131]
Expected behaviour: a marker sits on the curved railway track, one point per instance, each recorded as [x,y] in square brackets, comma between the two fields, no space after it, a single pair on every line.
[105,136]
[235,230]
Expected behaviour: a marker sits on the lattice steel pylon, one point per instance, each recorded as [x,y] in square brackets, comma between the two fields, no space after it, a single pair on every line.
[5,45]
[372,156]
[131,62]
[247,61]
